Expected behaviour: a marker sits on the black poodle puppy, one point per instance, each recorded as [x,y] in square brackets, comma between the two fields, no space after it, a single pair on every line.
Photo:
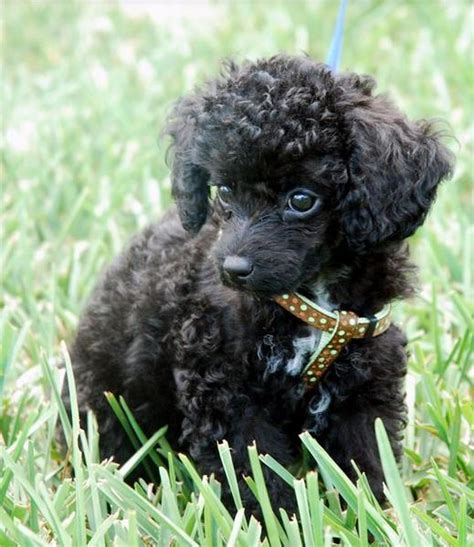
[317,183]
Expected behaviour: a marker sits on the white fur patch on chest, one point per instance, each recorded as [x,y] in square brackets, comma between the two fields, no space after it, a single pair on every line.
[274,361]
[303,347]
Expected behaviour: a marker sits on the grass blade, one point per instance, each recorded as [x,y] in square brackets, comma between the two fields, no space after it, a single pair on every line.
[305,519]
[141,453]
[377,524]
[229,470]
[395,485]
[263,498]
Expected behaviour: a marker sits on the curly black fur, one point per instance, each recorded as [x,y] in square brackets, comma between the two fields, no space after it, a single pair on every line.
[215,359]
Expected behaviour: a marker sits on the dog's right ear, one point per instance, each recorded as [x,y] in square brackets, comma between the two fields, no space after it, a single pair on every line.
[189,181]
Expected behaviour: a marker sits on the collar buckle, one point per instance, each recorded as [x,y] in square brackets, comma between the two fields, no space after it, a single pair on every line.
[369,333]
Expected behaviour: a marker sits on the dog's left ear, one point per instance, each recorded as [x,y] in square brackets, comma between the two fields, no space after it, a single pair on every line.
[189,181]
[394,168]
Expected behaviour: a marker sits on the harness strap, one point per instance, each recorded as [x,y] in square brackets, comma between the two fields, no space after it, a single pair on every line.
[338,329]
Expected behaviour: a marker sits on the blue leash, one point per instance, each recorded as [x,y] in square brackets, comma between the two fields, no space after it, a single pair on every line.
[333,60]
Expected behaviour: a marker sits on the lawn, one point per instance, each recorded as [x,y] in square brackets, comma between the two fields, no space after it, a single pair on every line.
[86,86]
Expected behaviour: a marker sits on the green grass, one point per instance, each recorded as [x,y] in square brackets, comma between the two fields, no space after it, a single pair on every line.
[85,90]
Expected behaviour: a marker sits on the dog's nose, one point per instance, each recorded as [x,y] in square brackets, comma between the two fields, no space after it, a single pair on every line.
[237,267]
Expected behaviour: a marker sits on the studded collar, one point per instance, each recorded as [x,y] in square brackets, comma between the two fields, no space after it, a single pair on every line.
[338,329]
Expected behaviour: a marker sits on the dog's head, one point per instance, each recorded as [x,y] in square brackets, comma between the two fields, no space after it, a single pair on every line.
[305,163]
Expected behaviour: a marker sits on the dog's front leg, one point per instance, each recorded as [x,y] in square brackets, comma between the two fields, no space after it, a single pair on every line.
[351,436]
[216,409]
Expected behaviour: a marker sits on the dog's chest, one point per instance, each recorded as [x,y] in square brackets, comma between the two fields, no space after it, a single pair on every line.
[292,355]
[291,358]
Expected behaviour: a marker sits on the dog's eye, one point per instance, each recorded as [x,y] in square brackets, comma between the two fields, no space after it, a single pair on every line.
[224,193]
[301,202]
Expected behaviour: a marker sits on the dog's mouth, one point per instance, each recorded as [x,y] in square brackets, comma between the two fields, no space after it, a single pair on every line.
[268,274]
[258,284]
